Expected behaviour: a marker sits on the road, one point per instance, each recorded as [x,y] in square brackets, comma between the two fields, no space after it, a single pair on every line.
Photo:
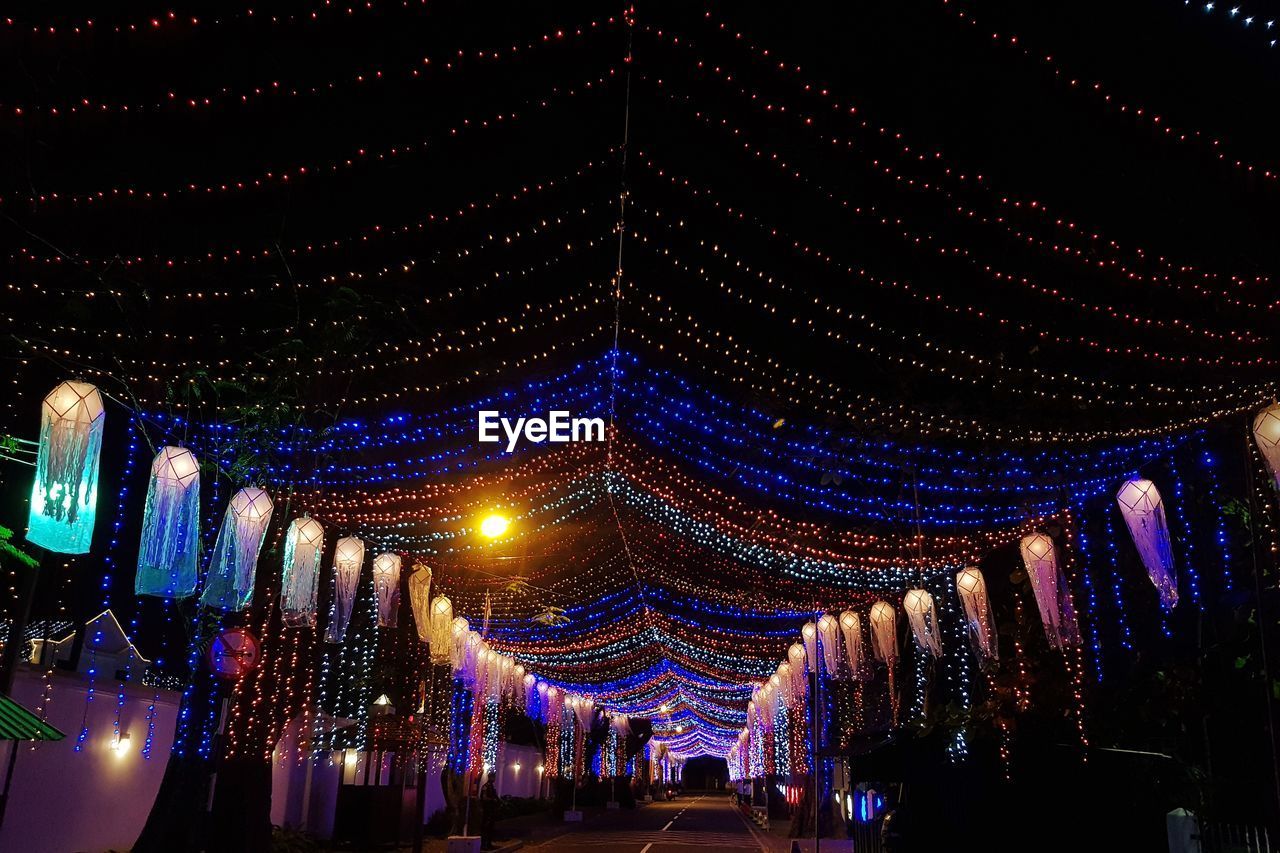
[695,822]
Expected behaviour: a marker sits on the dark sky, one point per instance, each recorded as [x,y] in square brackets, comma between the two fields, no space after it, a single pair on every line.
[709,108]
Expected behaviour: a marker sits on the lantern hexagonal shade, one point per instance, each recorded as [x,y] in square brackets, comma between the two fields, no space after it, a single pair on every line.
[829,640]
[884,632]
[923,618]
[1040,557]
[1143,511]
[169,550]
[809,636]
[851,630]
[420,600]
[386,585]
[1266,434]
[348,560]
[300,582]
[64,496]
[972,589]
[234,564]
[444,640]
[796,657]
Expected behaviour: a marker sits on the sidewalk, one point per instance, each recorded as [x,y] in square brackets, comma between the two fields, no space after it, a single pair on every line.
[778,839]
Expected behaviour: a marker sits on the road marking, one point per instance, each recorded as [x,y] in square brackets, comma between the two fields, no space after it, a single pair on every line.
[645,849]
[665,828]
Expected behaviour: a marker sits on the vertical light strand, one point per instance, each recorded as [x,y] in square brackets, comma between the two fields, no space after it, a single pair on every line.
[1221,534]
[1117,589]
[1181,516]
[1072,656]
[957,667]
[109,565]
[1086,579]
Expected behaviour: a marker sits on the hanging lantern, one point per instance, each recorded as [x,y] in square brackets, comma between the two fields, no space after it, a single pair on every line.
[884,644]
[169,552]
[348,559]
[787,684]
[972,588]
[769,702]
[420,600]
[472,650]
[65,494]
[809,636]
[851,629]
[530,691]
[303,544]
[1266,432]
[544,701]
[796,659]
[923,618]
[386,583]
[234,564]
[461,633]
[584,710]
[1041,559]
[884,632]
[829,639]
[442,637]
[1143,512]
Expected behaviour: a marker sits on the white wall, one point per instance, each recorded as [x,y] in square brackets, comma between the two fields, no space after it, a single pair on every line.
[96,799]
[522,782]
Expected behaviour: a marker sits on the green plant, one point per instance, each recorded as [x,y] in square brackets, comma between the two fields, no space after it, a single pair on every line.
[13,552]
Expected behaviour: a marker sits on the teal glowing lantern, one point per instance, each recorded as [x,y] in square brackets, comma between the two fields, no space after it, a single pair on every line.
[65,493]
[234,564]
[170,546]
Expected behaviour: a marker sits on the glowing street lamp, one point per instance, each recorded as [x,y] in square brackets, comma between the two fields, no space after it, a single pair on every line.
[494,525]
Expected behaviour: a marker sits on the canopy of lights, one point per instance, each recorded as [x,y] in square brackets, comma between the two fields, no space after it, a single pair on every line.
[839,367]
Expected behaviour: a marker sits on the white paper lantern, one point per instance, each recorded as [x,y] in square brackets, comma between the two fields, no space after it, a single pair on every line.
[884,632]
[1040,557]
[884,645]
[1143,511]
[1266,433]
[348,560]
[64,497]
[829,640]
[443,640]
[787,684]
[300,582]
[855,654]
[460,629]
[809,636]
[530,690]
[584,710]
[922,616]
[972,588]
[420,601]
[169,551]
[386,584]
[796,660]
[234,564]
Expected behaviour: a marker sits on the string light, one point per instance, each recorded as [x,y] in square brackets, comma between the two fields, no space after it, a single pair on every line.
[425,68]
